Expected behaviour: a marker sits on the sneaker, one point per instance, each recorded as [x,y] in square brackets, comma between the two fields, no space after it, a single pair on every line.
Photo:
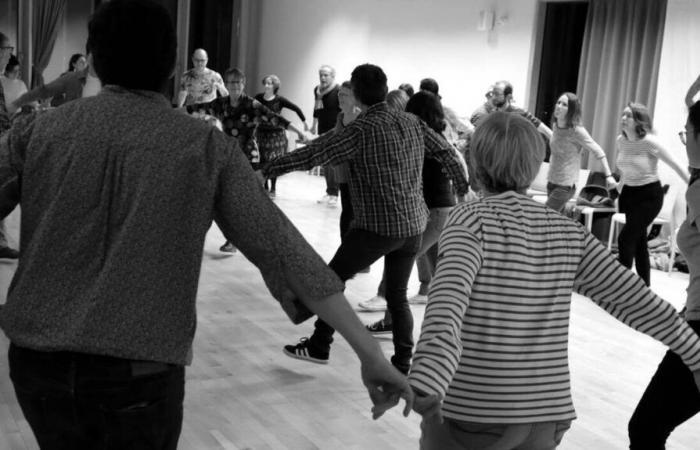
[376,303]
[418,299]
[325,199]
[379,327]
[227,248]
[8,253]
[332,201]
[305,352]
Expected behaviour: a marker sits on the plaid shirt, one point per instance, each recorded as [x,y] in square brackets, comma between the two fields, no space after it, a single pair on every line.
[385,151]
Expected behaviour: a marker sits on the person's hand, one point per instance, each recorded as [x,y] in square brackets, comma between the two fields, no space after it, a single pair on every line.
[306,127]
[428,406]
[386,386]
[610,182]
[303,138]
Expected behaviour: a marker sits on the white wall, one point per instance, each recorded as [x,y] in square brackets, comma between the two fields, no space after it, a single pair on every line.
[409,39]
[679,67]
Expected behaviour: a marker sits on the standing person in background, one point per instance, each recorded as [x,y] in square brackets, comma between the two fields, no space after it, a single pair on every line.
[270,134]
[101,315]
[200,84]
[326,109]
[641,194]
[456,129]
[6,50]
[76,63]
[408,89]
[568,140]
[492,358]
[12,84]
[672,397]
[349,110]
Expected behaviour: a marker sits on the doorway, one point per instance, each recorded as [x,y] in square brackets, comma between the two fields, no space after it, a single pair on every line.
[210,28]
[562,39]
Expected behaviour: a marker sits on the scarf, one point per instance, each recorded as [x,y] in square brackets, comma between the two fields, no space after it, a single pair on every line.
[320,93]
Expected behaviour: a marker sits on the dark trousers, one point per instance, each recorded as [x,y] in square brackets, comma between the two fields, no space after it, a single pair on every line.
[641,205]
[346,213]
[75,400]
[670,399]
[359,249]
[331,184]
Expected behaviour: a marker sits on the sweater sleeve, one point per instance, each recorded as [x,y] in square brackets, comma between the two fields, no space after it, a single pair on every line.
[587,142]
[289,105]
[625,296]
[440,346]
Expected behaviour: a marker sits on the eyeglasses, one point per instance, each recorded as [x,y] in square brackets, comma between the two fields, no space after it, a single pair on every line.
[7,49]
[200,60]
[683,135]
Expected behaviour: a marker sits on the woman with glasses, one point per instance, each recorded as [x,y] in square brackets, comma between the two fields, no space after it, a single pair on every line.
[641,195]
[672,396]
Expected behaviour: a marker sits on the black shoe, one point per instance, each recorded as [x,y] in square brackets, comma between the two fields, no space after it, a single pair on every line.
[304,351]
[8,253]
[379,327]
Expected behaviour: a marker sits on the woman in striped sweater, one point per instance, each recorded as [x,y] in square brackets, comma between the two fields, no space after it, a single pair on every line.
[492,359]
[641,196]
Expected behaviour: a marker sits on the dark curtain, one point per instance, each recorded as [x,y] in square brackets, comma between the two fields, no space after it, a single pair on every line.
[47,16]
[619,63]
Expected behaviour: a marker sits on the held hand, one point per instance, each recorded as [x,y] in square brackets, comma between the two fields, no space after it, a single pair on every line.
[428,406]
[306,127]
[610,183]
[386,386]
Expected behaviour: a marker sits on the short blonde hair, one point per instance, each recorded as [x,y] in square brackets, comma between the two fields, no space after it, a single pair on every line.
[506,153]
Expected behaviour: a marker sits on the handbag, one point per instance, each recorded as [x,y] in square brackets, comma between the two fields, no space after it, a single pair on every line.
[595,196]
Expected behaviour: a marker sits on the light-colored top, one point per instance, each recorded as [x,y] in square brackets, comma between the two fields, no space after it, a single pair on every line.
[202,87]
[495,334]
[689,245]
[118,192]
[13,89]
[638,160]
[565,161]
[92,87]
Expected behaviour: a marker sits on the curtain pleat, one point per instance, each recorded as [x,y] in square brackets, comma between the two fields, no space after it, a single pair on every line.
[619,63]
[47,18]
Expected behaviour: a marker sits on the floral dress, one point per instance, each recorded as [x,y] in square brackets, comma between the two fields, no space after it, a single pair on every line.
[270,134]
[241,121]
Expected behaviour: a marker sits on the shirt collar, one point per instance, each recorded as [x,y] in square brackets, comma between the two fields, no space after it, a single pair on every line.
[151,96]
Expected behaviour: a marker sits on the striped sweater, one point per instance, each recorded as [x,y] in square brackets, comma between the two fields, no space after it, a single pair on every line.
[494,340]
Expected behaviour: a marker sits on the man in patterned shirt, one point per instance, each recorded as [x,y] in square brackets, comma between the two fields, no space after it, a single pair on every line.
[200,84]
[385,150]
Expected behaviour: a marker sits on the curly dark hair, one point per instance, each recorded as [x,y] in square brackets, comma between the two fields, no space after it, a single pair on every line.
[428,107]
[127,34]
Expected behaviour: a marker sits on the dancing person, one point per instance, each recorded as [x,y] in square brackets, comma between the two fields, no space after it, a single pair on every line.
[101,313]
[326,109]
[200,84]
[641,194]
[240,115]
[456,129]
[672,396]
[385,150]
[407,88]
[491,368]
[76,63]
[12,84]
[438,196]
[569,138]
[270,135]
[349,110]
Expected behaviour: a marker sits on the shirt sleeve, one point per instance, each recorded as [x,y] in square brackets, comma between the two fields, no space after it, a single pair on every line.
[291,106]
[625,296]
[586,141]
[437,147]
[331,148]
[252,222]
[268,115]
[13,145]
[440,346]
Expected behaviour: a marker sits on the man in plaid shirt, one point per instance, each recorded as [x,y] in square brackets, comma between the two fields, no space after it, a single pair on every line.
[385,151]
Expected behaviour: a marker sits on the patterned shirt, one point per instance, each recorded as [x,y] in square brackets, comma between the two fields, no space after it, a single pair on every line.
[201,87]
[495,334]
[117,193]
[385,151]
[241,120]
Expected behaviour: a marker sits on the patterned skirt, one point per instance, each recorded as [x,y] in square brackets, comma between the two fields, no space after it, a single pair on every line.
[272,143]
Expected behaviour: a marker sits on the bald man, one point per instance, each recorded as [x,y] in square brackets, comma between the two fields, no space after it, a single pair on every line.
[199,84]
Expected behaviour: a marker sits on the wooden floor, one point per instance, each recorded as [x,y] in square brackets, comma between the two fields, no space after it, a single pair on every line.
[243,393]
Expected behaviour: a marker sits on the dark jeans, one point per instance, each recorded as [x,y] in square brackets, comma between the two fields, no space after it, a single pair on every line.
[331,184]
[359,249]
[641,205]
[346,213]
[670,399]
[75,400]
